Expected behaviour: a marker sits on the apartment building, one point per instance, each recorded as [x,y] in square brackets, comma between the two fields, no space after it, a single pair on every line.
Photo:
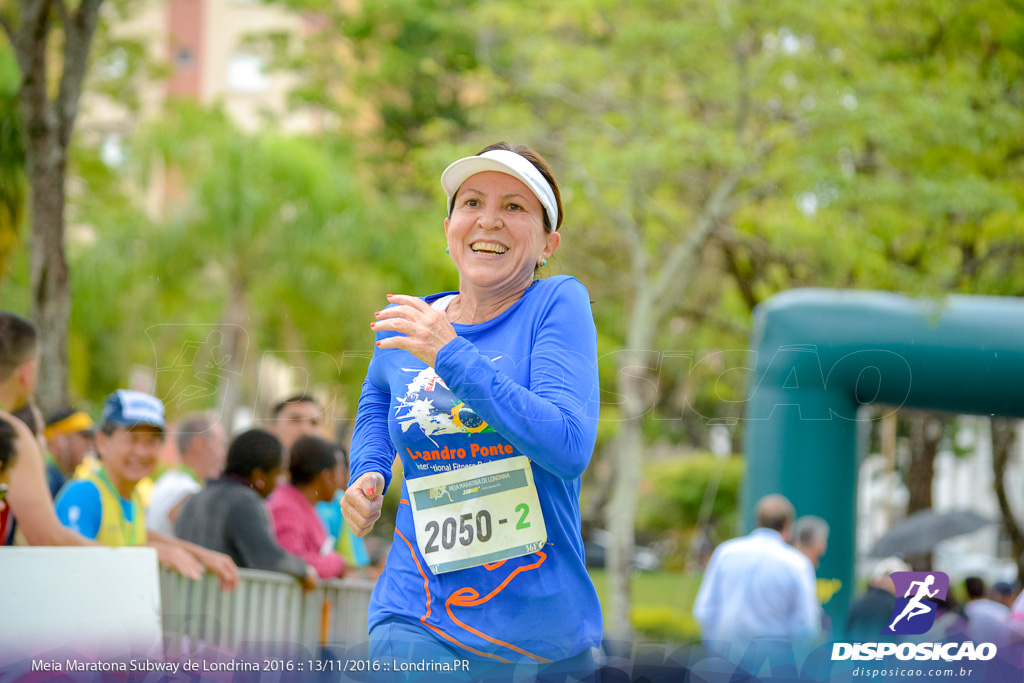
[199,49]
[202,46]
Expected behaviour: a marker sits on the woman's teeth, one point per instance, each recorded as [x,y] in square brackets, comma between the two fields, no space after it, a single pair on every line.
[488,247]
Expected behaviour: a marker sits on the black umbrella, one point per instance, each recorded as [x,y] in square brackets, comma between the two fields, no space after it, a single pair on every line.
[921,531]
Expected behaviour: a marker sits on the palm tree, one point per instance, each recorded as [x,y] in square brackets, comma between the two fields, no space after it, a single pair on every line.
[254,210]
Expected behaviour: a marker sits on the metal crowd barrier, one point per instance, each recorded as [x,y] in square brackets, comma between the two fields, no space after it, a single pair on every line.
[266,609]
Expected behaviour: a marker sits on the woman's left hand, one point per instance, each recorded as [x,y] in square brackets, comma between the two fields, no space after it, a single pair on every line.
[426,329]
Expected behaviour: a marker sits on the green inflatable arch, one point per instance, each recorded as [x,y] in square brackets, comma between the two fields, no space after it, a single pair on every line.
[823,354]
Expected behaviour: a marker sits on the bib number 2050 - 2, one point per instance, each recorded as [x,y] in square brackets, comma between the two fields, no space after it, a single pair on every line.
[477,515]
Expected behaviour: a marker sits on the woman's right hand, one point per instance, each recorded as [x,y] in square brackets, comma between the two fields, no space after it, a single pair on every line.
[362,502]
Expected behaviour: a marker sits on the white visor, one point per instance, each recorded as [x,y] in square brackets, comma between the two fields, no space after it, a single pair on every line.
[503,161]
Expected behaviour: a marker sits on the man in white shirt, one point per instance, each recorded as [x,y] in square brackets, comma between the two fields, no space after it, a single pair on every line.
[758,587]
[203,447]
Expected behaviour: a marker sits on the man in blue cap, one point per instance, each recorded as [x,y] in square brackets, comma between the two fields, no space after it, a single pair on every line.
[105,505]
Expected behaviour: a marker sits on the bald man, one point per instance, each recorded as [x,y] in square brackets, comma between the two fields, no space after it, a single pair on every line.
[758,586]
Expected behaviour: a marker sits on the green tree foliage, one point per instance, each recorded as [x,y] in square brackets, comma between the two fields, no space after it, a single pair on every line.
[277,235]
[673,493]
[413,55]
[931,179]
[264,221]
[712,154]
[13,183]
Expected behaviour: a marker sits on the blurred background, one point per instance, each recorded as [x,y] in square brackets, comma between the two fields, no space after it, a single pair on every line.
[217,207]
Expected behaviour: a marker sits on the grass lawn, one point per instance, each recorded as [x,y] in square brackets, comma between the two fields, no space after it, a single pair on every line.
[662,603]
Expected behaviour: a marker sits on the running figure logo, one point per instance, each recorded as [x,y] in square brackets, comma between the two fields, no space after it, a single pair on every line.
[914,613]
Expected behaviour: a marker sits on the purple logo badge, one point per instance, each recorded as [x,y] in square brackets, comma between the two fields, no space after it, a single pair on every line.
[914,613]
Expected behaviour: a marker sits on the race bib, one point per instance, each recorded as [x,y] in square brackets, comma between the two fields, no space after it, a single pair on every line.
[477,515]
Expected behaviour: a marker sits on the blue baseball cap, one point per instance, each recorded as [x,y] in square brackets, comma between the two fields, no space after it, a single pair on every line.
[131,408]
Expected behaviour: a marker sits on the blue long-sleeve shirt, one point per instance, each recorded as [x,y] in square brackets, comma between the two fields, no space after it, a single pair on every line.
[523,383]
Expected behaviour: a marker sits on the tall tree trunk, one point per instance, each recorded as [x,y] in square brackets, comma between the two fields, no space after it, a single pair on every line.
[635,363]
[621,519]
[926,430]
[655,293]
[48,124]
[51,294]
[621,511]
[1004,442]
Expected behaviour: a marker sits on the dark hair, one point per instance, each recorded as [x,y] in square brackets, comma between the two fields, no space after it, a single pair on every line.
[8,444]
[541,165]
[254,450]
[1002,588]
[311,455]
[109,427]
[298,398]
[975,587]
[28,416]
[19,341]
[191,426]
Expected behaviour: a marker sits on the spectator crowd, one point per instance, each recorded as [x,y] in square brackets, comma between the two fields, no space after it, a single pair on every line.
[265,499]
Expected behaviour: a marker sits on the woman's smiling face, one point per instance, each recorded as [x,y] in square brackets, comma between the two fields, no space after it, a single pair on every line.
[496,233]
